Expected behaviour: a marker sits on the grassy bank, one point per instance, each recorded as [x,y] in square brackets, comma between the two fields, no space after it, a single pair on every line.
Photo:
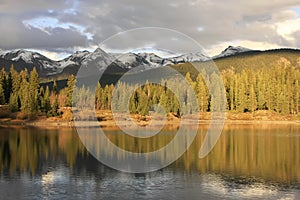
[106,119]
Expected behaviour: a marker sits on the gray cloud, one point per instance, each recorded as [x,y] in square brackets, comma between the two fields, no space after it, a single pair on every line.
[16,35]
[219,21]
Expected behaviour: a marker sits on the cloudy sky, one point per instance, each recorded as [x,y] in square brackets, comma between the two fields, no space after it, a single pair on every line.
[59,27]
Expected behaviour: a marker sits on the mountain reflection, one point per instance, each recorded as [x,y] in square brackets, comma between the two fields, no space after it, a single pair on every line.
[266,152]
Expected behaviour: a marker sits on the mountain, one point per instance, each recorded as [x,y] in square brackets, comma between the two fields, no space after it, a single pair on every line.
[120,63]
[93,62]
[22,58]
[190,57]
[249,60]
[74,59]
[151,60]
[231,51]
[131,60]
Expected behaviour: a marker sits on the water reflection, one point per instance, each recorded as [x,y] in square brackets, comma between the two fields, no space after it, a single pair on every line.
[30,149]
[248,161]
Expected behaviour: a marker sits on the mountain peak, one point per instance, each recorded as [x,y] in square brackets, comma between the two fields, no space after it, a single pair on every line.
[99,50]
[21,54]
[232,50]
[190,57]
[237,49]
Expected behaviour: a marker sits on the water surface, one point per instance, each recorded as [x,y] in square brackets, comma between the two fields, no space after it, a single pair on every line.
[248,162]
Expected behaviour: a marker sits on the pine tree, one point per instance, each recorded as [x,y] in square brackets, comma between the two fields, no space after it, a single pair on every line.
[297,96]
[69,90]
[189,80]
[25,97]
[216,95]
[14,102]
[6,83]
[46,105]
[2,96]
[54,87]
[231,93]
[54,108]
[16,80]
[99,94]
[41,99]
[143,107]
[252,99]
[8,87]
[241,98]
[163,101]
[2,75]
[202,93]
[34,85]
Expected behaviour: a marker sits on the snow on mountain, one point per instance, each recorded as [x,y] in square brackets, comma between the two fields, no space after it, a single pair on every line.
[2,52]
[152,59]
[231,50]
[130,60]
[98,57]
[189,57]
[74,59]
[145,60]
[99,60]
[19,58]
[26,56]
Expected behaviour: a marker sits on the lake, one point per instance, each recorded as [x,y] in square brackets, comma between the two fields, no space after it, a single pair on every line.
[252,161]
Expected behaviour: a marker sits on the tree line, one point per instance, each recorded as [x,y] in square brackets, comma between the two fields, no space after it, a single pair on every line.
[274,88]
[23,93]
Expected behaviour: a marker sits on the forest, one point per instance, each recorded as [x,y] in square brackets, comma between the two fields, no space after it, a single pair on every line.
[273,88]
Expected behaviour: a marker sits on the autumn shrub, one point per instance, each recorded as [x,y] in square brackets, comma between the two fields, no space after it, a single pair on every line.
[67,115]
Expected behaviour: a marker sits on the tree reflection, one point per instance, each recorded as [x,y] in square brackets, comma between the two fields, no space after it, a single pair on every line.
[24,149]
[269,152]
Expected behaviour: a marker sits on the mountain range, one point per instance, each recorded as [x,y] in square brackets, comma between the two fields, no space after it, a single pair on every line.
[121,62]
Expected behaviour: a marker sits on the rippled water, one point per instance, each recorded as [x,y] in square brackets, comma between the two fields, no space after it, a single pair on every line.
[248,162]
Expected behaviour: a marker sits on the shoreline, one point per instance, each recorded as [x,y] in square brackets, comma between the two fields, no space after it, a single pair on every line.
[106,120]
[111,124]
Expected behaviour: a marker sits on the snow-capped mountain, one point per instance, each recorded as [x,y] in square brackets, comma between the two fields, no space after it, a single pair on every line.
[151,60]
[231,50]
[2,52]
[130,60]
[74,59]
[190,57]
[29,59]
[145,60]
[100,59]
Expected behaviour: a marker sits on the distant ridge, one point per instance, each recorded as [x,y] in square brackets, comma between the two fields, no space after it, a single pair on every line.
[46,67]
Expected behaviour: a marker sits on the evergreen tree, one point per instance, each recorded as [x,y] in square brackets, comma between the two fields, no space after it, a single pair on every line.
[69,90]
[143,107]
[46,100]
[202,93]
[2,96]
[297,96]
[98,95]
[54,87]
[16,80]
[54,108]
[34,85]
[25,97]
[252,99]
[8,87]
[14,102]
